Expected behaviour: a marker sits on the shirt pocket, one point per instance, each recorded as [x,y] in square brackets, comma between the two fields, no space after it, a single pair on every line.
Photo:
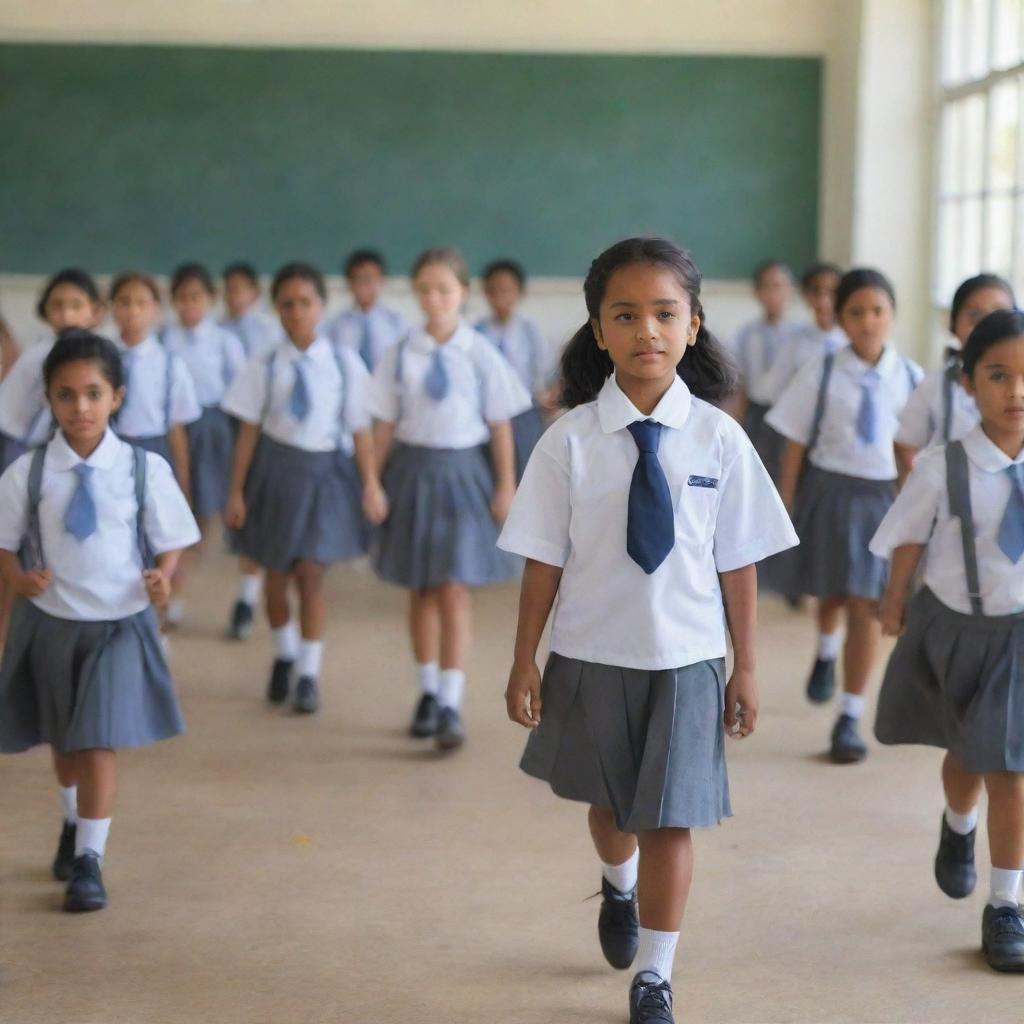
[697,509]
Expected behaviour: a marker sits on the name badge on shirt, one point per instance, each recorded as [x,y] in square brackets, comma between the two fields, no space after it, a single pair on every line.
[702,481]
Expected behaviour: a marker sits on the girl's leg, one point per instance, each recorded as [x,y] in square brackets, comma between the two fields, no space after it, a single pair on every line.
[863,638]
[176,606]
[955,872]
[96,771]
[1005,835]
[962,788]
[822,683]
[425,633]
[285,634]
[617,850]
[666,870]
[830,611]
[6,603]
[456,609]
[617,925]
[309,579]
[64,769]
[242,615]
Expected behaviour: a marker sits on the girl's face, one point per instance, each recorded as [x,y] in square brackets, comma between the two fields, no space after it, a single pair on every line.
[239,294]
[978,306]
[300,308]
[365,281]
[820,295]
[440,294]
[503,293]
[867,319]
[83,400]
[998,387]
[192,302]
[645,324]
[774,291]
[68,306]
[135,310]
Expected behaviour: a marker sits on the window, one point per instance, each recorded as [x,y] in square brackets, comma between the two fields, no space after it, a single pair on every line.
[980,209]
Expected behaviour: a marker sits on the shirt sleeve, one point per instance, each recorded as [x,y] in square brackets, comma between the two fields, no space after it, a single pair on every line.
[752,522]
[783,368]
[382,388]
[21,394]
[504,393]
[911,517]
[916,420]
[14,504]
[793,414]
[357,380]
[247,392]
[235,352]
[538,522]
[185,407]
[170,525]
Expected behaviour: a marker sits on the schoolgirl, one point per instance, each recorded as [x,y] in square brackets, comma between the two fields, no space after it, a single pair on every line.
[297,493]
[840,415]
[956,677]
[99,525]
[243,316]
[439,396]
[643,510]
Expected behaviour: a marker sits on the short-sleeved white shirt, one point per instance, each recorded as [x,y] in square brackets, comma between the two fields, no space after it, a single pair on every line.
[839,448]
[571,510]
[520,341]
[24,411]
[923,419]
[337,403]
[144,413]
[386,326]
[920,515]
[483,389]
[99,578]
[756,347]
[212,354]
[255,330]
[805,346]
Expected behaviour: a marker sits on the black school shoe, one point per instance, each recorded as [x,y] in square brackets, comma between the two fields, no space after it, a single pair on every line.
[847,746]
[85,890]
[822,683]
[280,681]
[451,733]
[242,619]
[650,1000]
[1002,938]
[65,859]
[426,719]
[307,697]
[954,863]
[618,925]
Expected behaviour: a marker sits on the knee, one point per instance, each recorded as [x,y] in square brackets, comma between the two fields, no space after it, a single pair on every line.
[1005,785]
[454,596]
[309,578]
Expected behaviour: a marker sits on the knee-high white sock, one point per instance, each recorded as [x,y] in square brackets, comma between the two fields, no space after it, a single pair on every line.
[453,683]
[92,835]
[286,641]
[310,655]
[1005,888]
[829,644]
[429,677]
[249,588]
[622,876]
[656,952]
[962,824]
[69,797]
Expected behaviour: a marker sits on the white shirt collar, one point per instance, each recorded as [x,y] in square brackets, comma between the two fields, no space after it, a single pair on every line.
[615,411]
[856,367]
[143,346]
[62,456]
[320,349]
[462,339]
[986,454]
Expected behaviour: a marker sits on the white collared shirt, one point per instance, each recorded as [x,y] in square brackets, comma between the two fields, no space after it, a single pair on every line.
[386,326]
[805,346]
[839,448]
[24,411]
[255,330]
[337,407]
[923,419]
[483,389]
[212,354]
[571,510]
[520,341]
[99,578]
[756,347]
[920,515]
[144,413]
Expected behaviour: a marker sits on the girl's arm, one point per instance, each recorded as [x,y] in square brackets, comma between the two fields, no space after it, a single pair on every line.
[27,584]
[537,595]
[375,501]
[245,446]
[177,441]
[739,591]
[789,472]
[902,567]
[503,458]
[158,580]
[904,462]
[9,350]
[383,438]
[740,404]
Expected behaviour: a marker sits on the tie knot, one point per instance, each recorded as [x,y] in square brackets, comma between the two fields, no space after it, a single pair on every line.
[84,470]
[871,380]
[647,434]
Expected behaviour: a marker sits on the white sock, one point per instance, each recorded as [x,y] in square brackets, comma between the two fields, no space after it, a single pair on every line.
[1005,887]
[175,611]
[429,677]
[249,589]
[286,641]
[656,952]
[622,876]
[311,653]
[829,644]
[92,835]
[962,824]
[449,692]
[69,795]
[853,705]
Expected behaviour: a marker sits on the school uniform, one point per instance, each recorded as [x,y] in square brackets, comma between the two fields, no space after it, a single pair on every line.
[940,410]
[83,667]
[442,400]
[159,394]
[255,330]
[25,419]
[213,356]
[522,344]
[956,677]
[807,345]
[370,333]
[846,413]
[303,494]
[634,688]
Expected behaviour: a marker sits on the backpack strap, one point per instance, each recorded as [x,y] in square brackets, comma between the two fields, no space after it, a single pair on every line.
[168,391]
[139,475]
[819,408]
[339,362]
[958,487]
[533,333]
[912,380]
[950,380]
[32,548]
[400,373]
[271,362]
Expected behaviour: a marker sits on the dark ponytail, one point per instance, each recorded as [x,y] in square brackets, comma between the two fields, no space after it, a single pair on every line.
[705,368]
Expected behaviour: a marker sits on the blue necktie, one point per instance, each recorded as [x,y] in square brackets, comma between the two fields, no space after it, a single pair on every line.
[651,522]
[366,343]
[1011,528]
[867,414]
[299,404]
[80,515]
[436,381]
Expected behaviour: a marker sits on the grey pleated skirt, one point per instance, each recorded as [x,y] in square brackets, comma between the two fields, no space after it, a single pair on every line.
[956,682]
[10,450]
[648,745]
[527,428]
[210,450]
[836,517]
[768,443]
[301,506]
[84,685]
[440,529]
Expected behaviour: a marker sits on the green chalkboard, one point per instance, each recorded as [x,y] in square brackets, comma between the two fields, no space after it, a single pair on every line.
[147,155]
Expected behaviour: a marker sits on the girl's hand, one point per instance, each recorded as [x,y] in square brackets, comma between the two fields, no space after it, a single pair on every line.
[501,502]
[158,586]
[892,613]
[522,697]
[741,690]
[34,582]
[375,503]
[235,511]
